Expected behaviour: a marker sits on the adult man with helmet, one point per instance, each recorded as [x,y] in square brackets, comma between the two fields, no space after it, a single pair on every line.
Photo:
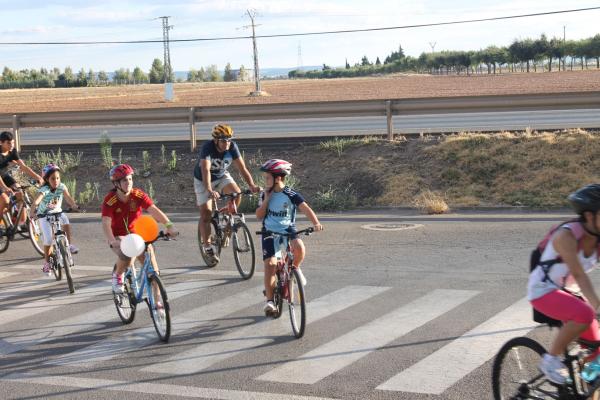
[211,178]
[571,252]
[277,210]
[120,208]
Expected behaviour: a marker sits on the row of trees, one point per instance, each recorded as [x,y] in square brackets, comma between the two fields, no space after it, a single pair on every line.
[523,55]
[49,78]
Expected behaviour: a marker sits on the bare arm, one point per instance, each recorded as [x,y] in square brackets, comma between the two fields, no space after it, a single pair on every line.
[566,246]
[35,203]
[158,215]
[205,170]
[310,214]
[69,199]
[241,166]
[261,212]
[106,228]
[29,171]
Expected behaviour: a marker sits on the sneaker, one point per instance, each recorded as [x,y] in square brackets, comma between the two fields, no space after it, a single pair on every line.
[302,278]
[73,249]
[210,254]
[270,307]
[117,283]
[553,368]
[47,268]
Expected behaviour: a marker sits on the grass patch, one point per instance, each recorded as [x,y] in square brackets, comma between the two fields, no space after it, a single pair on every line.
[66,161]
[334,199]
[430,202]
[339,145]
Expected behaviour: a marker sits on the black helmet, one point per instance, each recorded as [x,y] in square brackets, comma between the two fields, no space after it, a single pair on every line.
[586,199]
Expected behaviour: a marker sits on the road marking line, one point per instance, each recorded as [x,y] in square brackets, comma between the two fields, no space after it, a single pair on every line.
[139,338]
[150,388]
[440,370]
[345,350]
[90,320]
[261,333]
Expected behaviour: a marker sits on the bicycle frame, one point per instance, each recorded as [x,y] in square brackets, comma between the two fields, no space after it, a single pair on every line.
[140,280]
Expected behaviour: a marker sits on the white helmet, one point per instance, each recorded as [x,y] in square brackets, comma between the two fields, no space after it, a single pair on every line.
[277,167]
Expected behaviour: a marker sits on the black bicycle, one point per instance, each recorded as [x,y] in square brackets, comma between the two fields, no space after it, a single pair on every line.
[515,373]
[228,226]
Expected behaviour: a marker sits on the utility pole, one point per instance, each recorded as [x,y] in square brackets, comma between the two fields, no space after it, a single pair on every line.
[167,53]
[257,91]
[432,45]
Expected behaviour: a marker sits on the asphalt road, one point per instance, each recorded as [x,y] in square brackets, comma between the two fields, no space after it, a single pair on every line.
[406,314]
[556,119]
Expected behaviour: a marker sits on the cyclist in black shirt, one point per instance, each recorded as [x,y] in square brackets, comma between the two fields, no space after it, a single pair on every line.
[9,157]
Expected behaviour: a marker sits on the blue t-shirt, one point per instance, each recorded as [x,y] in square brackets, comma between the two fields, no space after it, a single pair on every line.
[52,200]
[219,162]
[281,211]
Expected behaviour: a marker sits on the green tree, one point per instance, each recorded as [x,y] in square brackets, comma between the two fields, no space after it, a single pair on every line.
[91,78]
[103,77]
[212,73]
[347,65]
[82,78]
[227,74]
[377,62]
[157,71]
[243,74]
[365,61]
[139,76]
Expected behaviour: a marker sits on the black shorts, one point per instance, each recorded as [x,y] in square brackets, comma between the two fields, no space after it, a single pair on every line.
[271,245]
[8,181]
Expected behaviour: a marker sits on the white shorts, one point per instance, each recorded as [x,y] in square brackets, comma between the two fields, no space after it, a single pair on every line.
[46,228]
[217,185]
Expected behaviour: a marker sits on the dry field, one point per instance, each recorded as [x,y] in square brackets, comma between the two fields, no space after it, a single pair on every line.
[283,91]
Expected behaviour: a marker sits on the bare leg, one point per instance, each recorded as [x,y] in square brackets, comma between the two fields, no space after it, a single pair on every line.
[269,278]
[299,251]
[566,335]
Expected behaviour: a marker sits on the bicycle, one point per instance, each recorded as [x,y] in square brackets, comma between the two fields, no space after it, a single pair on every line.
[229,225]
[60,257]
[135,283]
[515,373]
[289,286]
[10,220]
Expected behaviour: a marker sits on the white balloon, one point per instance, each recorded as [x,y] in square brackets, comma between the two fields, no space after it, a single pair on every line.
[132,245]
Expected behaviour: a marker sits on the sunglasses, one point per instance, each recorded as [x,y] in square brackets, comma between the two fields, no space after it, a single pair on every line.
[224,140]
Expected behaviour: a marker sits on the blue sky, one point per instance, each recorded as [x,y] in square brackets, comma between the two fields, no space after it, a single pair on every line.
[69,20]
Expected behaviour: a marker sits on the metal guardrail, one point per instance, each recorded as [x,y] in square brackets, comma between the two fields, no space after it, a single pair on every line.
[333,109]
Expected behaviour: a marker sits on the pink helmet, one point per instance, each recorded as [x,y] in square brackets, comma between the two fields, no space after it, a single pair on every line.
[277,167]
[120,171]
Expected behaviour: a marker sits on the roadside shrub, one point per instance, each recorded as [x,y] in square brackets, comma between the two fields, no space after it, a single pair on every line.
[71,185]
[339,145]
[430,203]
[66,161]
[146,161]
[172,165]
[333,199]
[106,150]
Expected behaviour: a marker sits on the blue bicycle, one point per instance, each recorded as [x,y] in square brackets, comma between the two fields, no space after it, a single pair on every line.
[145,285]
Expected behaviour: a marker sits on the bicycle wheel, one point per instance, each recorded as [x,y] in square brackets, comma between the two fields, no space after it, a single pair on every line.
[278,298]
[125,302]
[159,308]
[515,373]
[243,250]
[35,235]
[66,262]
[55,265]
[215,240]
[297,304]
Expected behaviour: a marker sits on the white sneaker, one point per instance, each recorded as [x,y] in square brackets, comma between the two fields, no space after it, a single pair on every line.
[211,254]
[73,249]
[302,278]
[270,307]
[553,368]
[117,283]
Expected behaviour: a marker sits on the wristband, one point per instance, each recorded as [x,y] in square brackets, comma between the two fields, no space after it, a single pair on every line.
[169,225]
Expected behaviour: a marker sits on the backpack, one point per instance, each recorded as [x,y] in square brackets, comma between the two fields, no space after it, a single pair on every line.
[578,231]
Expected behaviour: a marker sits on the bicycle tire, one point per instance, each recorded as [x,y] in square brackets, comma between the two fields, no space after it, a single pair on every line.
[277,298]
[239,249]
[160,319]
[297,304]
[65,255]
[35,235]
[4,235]
[125,303]
[215,240]
[56,269]
[523,371]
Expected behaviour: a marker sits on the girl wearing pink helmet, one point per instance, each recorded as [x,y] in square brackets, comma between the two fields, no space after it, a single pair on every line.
[277,210]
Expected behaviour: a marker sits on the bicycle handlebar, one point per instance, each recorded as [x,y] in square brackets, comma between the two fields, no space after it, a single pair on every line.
[306,232]
[233,195]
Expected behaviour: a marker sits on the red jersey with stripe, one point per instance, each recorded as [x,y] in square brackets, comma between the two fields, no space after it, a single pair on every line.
[123,214]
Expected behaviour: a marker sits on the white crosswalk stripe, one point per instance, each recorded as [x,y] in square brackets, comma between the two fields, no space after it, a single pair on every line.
[90,320]
[192,319]
[437,372]
[240,340]
[343,351]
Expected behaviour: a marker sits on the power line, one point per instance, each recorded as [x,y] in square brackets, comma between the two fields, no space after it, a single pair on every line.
[309,33]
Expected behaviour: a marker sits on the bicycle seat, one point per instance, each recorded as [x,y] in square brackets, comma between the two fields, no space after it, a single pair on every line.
[590,344]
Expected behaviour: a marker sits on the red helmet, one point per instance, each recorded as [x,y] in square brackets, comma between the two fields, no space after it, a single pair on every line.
[277,167]
[120,171]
